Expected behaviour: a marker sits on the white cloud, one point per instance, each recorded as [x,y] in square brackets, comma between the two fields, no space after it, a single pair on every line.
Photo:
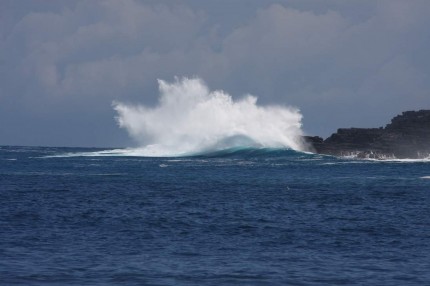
[76,49]
[281,36]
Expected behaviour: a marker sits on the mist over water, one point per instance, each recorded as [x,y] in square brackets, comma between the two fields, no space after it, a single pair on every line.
[190,119]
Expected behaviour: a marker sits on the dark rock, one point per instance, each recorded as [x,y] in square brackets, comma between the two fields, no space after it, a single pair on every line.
[313,143]
[407,136]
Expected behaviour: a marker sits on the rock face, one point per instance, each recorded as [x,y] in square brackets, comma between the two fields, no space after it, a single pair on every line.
[407,136]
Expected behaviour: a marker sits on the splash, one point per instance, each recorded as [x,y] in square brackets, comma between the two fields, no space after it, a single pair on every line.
[191,119]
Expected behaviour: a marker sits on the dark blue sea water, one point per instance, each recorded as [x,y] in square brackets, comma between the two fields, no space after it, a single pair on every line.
[250,217]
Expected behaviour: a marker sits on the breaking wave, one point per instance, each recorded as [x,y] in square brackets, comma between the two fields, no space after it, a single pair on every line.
[239,151]
[190,119]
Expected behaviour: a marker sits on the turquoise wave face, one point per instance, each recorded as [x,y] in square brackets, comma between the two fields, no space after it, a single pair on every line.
[247,151]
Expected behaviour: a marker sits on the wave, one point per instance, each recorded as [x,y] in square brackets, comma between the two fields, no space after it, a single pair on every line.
[236,151]
[189,118]
[239,151]
[246,151]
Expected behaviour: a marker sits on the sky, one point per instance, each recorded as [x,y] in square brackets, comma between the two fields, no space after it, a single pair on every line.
[342,63]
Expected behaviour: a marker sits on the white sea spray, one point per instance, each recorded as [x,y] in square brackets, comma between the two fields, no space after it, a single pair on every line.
[190,118]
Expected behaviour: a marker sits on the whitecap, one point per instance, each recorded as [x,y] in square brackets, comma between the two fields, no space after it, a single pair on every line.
[191,119]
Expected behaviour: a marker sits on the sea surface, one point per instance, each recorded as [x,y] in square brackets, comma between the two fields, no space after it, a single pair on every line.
[71,216]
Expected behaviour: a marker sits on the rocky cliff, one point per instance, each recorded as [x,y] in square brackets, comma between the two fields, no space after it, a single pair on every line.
[407,136]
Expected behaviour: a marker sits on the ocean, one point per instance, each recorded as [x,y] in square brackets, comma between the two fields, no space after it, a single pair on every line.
[242,216]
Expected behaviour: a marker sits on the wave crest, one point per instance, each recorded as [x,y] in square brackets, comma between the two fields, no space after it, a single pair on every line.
[190,118]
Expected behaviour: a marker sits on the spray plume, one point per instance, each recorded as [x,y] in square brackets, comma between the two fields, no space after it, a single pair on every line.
[191,119]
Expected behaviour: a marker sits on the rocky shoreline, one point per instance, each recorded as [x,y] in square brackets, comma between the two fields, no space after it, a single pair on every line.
[407,136]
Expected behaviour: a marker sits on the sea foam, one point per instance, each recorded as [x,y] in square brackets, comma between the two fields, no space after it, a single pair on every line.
[190,119]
